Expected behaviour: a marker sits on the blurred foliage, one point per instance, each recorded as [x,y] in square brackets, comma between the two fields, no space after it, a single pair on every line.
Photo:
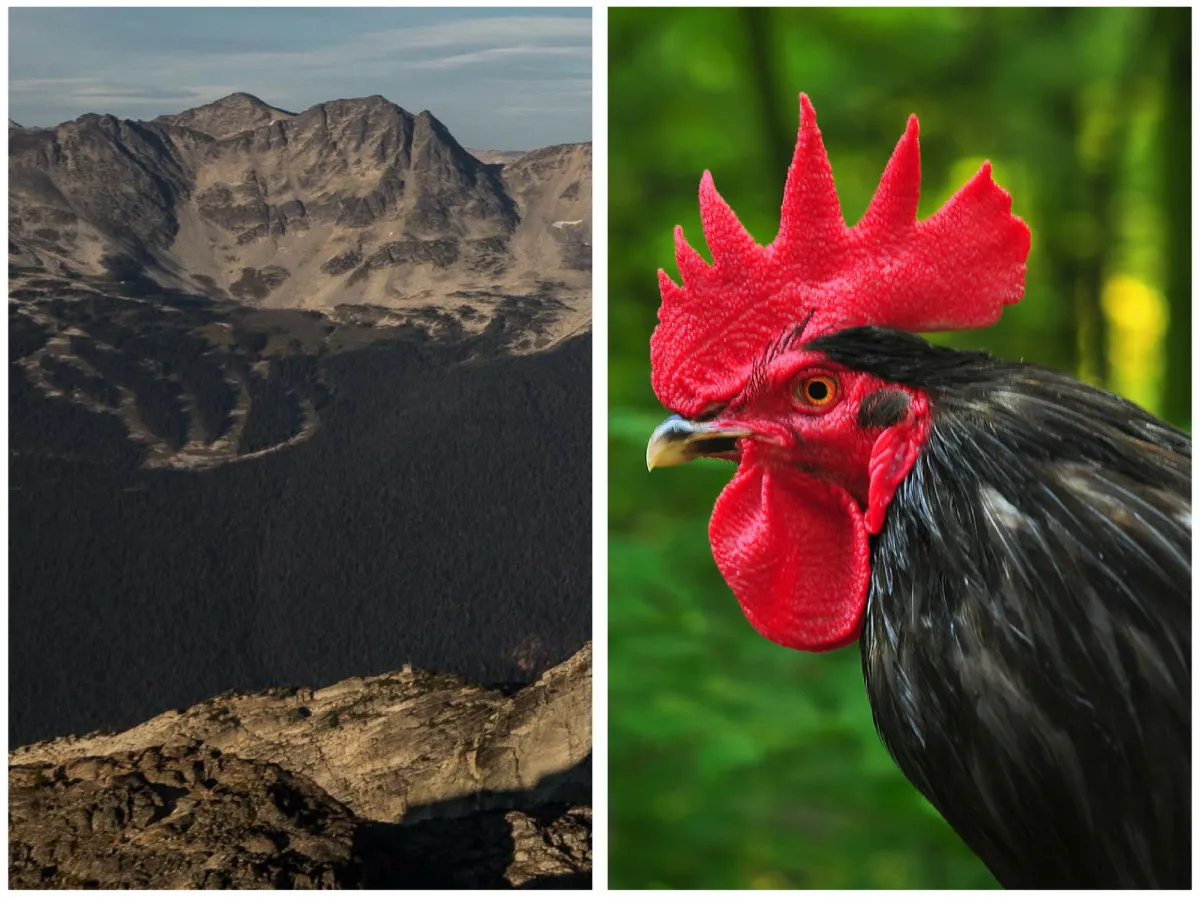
[734,762]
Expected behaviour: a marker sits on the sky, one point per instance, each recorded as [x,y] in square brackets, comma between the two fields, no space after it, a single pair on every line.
[499,79]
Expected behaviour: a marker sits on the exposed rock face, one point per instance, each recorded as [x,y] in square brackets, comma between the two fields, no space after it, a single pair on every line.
[351,201]
[434,743]
[403,780]
[228,116]
[553,187]
[94,190]
[181,817]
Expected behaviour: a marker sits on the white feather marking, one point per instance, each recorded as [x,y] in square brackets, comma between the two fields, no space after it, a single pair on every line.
[1000,510]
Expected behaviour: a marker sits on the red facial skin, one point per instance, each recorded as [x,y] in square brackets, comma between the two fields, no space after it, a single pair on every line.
[789,532]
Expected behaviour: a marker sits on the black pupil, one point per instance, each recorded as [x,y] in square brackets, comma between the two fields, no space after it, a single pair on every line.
[817,391]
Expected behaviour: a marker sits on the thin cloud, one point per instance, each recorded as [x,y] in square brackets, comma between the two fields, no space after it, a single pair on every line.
[93,92]
[478,35]
[537,110]
[494,54]
[30,85]
[489,31]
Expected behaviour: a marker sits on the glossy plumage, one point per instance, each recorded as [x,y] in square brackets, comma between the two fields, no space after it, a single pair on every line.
[1027,640]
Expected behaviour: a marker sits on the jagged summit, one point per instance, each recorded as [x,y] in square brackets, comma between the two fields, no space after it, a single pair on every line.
[240,98]
[227,116]
[436,125]
[353,105]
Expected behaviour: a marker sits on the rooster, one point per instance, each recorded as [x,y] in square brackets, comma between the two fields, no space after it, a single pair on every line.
[1010,547]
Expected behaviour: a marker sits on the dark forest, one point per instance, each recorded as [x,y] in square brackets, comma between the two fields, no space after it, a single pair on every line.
[439,515]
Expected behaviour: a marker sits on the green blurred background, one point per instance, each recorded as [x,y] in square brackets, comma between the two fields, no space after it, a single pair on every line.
[734,762]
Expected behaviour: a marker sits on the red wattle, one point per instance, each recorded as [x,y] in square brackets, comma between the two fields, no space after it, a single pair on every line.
[794,550]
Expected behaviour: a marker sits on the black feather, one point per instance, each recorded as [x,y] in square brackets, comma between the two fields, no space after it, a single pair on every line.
[1027,640]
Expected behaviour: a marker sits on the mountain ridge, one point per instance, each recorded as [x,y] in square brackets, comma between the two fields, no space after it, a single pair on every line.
[352,201]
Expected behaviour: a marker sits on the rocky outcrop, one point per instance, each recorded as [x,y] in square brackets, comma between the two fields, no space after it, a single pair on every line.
[410,779]
[176,817]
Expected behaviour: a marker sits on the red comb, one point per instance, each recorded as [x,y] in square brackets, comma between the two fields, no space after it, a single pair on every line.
[953,271]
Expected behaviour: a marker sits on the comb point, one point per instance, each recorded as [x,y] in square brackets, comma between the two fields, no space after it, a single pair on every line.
[893,209]
[810,220]
[691,265]
[729,242]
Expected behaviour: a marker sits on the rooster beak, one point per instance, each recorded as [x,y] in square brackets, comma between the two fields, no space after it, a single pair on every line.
[679,440]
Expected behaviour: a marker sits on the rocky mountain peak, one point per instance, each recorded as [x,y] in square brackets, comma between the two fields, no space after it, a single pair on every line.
[369,129]
[428,120]
[105,121]
[241,98]
[349,107]
[230,115]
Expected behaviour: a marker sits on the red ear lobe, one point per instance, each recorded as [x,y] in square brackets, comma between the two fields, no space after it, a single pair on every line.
[892,458]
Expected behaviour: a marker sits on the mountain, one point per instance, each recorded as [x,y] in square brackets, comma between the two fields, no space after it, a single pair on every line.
[350,202]
[408,779]
[228,116]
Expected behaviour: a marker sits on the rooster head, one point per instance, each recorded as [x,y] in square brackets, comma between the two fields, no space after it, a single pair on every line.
[820,448]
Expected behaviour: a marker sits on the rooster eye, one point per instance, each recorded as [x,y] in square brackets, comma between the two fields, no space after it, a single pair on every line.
[816,391]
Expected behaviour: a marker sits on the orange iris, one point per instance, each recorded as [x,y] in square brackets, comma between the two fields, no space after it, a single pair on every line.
[816,391]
